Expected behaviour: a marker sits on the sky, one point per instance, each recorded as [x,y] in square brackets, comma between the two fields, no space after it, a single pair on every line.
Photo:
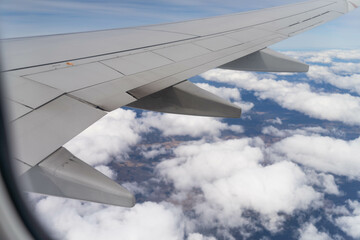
[41,17]
[288,169]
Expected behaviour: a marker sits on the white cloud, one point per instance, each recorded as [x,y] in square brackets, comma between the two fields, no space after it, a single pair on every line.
[326,56]
[325,74]
[232,179]
[153,151]
[269,190]
[275,121]
[111,136]
[273,131]
[322,153]
[310,232]
[294,96]
[230,94]
[115,134]
[70,219]
[221,180]
[350,224]
[198,236]
[194,126]
[135,188]
[245,106]
[240,184]
[324,181]
[106,171]
[345,67]
[216,160]
[320,58]
[224,92]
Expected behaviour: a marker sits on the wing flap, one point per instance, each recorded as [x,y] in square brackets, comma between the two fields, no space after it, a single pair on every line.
[29,93]
[266,60]
[41,132]
[77,46]
[64,175]
[187,98]
[137,62]
[16,110]
[76,77]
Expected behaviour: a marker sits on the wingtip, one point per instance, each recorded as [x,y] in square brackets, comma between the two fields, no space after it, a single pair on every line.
[132,201]
[352,4]
[237,112]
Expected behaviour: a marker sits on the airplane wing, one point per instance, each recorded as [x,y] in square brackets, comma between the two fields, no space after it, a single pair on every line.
[59,85]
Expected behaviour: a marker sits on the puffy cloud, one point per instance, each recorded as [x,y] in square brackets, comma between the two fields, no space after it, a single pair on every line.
[221,186]
[294,96]
[275,121]
[153,151]
[106,171]
[326,56]
[224,92]
[194,126]
[245,106]
[78,220]
[135,188]
[231,94]
[269,190]
[198,236]
[324,181]
[115,134]
[232,180]
[111,136]
[221,180]
[345,67]
[325,74]
[310,232]
[350,224]
[322,153]
[273,131]
[216,160]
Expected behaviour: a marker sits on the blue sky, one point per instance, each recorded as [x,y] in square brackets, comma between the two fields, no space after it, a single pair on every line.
[39,17]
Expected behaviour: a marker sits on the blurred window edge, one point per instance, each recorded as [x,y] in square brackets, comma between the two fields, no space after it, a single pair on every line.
[16,219]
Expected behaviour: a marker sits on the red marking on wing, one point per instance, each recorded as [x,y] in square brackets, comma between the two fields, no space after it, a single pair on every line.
[354,5]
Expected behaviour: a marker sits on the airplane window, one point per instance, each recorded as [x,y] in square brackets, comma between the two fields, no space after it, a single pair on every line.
[17,221]
[135,132]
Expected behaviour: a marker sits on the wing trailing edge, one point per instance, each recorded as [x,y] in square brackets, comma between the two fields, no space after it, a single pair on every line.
[64,175]
[266,60]
[187,98]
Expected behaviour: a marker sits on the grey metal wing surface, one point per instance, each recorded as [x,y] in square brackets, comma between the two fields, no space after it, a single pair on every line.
[59,85]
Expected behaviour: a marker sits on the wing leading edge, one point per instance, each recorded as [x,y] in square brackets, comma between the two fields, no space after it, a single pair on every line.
[56,90]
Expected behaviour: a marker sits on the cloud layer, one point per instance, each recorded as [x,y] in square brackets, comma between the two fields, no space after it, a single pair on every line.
[350,224]
[111,136]
[182,125]
[88,221]
[294,96]
[207,181]
[323,153]
[232,179]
